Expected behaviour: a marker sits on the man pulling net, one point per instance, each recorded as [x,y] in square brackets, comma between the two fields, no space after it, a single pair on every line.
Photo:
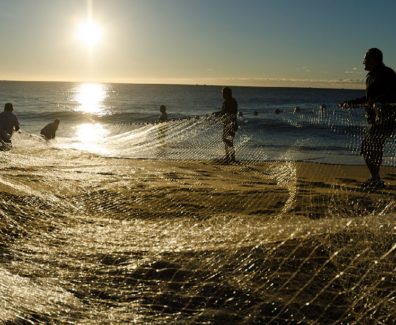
[380,113]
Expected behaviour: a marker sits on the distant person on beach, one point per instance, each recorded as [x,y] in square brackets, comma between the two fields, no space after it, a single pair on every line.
[380,114]
[48,132]
[8,123]
[164,116]
[228,113]
[162,129]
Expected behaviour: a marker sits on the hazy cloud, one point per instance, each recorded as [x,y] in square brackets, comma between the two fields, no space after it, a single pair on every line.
[303,69]
[354,70]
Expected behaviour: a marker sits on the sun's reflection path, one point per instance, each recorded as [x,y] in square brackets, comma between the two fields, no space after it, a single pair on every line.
[91,137]
[90,98]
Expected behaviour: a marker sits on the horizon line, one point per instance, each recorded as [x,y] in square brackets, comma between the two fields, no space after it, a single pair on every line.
[276,84]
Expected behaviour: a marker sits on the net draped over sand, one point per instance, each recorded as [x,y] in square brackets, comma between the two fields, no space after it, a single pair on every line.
[92,239]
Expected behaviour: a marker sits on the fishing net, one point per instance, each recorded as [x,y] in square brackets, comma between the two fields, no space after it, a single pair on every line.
[177,235]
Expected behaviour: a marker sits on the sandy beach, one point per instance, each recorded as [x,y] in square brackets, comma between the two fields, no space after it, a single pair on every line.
[152,241]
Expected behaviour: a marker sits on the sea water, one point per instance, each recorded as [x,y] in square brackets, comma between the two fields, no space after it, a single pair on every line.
[121,120]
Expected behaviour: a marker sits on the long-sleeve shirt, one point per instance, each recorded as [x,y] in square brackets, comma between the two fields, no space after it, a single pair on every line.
[8,123]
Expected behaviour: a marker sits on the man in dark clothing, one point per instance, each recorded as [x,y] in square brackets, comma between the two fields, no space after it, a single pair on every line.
[48,132]
[228,114]
[164,116]
[8,124]
[380,112]
[163,128]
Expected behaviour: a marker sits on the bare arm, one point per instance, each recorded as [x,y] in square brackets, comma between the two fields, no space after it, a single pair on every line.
[16,124]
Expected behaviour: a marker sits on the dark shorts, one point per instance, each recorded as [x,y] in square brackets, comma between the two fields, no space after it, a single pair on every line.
[374,141]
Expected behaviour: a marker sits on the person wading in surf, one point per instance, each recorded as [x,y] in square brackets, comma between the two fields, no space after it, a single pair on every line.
[8,124]
[48,132]
[228,114]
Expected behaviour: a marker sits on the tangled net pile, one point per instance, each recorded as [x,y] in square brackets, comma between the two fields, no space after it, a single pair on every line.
[89,239]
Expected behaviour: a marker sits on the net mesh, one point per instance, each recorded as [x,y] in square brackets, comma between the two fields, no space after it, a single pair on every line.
[90,239]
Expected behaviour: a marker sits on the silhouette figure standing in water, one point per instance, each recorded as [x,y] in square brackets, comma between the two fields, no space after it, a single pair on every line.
[162,129]
[48,132]
[164,116]
[380,92]
[229,112]
[8,124]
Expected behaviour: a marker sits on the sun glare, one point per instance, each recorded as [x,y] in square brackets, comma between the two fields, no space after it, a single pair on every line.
[91,133]
[89,33]
[90,97]
[90,137]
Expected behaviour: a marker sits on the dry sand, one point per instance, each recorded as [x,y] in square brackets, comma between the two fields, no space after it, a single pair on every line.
[155,241]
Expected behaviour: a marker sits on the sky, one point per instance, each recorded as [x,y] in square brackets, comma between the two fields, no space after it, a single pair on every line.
[307,43]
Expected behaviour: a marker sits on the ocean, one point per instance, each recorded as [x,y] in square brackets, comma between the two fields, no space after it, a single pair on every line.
[120,120]
[121,219]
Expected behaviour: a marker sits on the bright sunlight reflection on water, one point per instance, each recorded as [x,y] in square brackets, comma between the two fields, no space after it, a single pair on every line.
[90,97]
[91,137]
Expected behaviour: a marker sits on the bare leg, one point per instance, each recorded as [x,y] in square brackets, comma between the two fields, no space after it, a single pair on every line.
[229,149]
[372,151]
[373,167]
[232,152]
[227,152]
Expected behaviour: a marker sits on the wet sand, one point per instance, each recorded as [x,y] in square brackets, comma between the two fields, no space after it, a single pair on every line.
[151,241]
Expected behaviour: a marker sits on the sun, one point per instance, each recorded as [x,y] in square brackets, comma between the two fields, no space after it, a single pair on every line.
[89,33]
